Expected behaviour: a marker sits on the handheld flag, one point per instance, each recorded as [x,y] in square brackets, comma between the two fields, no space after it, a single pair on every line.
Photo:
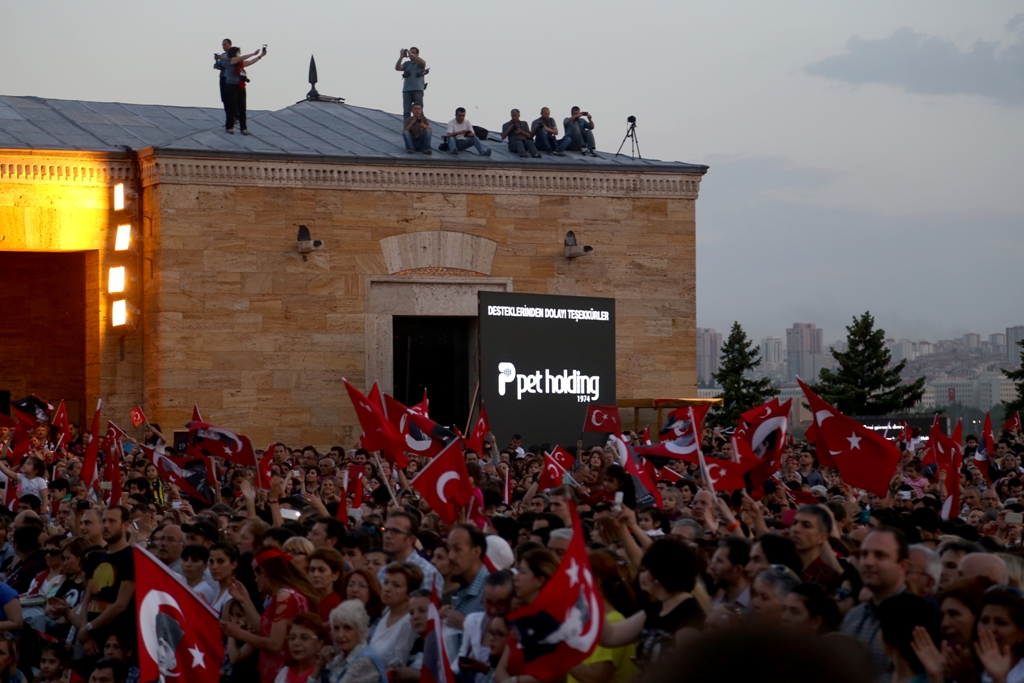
[562,626]
[263,470]
[138,417]
[92,450]
[1013,424]
[432,482]
[179,634]
[60,421]
[562,457]
[435,667]
[31,411]
[602,419]
[479,431]
[207,440]
[378,433]
[551,475]
[681,435]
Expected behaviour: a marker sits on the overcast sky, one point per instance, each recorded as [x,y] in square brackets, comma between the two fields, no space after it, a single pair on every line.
[864,155]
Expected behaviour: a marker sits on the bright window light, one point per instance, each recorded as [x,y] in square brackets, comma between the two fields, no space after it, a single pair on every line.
[119,314]
[124,237]
[119,197]
[115,280]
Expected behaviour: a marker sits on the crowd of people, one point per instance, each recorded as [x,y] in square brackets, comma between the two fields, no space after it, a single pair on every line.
[327,576]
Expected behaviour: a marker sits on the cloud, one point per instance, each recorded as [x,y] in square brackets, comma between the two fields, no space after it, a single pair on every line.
[930,65]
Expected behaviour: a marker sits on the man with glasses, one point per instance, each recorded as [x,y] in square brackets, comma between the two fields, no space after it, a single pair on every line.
[924,571]
[169,544]
[400,531]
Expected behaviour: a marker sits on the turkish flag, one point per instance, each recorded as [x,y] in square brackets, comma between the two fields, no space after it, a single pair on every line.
[723,475]
[209,441]
[179,634]
[669,474]
[1013,424]
[378,433]
[602,419]
[986,447]
[423,407]
[865,459]
[354,483]
[21,444]
[562,457]
[762,431]
[92,450]
[263,469]
[189,475]
[414,440]
[60,421]
[479,431]
[196,417]
[435,667]
[138,417]
[646,492]
[31,411]
[681,435]
[929,455]
[551,474]
[432,483]
[562,626]
[112,447]
[647,435]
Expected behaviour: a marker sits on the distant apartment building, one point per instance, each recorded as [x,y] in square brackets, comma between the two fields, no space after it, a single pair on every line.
[904,349]
[1013,336]
[803,342]
[924,348]
[997,342]
[983,392]
[709,349]
[772,351]
[972,341]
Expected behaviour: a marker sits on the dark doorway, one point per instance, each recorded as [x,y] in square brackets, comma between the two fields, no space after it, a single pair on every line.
[434,353]
[43,340]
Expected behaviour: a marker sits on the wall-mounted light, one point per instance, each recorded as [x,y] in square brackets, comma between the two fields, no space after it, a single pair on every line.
[122,313]
[115,280]
[123,240]
[119,197]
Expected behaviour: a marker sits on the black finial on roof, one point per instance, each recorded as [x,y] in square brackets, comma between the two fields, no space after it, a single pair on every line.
[313,95]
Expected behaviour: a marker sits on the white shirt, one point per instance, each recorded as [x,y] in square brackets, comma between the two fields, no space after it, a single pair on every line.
[456,129]
[393,644]
[472,642]
[32,487]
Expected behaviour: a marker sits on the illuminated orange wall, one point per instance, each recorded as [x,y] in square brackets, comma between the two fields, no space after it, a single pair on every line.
[63,203]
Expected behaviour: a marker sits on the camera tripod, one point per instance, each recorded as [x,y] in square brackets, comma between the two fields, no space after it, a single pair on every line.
[634,143]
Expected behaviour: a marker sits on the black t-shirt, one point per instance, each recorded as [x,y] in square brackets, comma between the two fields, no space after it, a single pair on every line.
[658,634]
[112,570]
[72,592]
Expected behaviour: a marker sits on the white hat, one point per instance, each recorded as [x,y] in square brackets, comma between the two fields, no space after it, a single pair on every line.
[499,554]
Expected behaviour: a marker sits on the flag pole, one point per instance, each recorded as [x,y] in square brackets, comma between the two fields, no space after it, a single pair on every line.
[472,407]
[380,468]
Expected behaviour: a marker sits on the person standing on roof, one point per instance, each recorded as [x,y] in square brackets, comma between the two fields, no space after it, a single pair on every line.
[235,81]
[220,63]
[413,72]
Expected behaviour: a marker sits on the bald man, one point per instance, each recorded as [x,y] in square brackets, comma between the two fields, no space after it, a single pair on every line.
[990,566]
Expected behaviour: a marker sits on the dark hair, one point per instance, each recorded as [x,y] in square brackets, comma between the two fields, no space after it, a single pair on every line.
[903,547]
[499,579]
[541,562]
[462,109]
[196,552]
[333,559]
[229,549]
[899,615]
[26,538]
[125,513]
[59,650]
[613,580]
[673,564]
[311,621]
[374,606]
[824,519]
[234,51]
[625,481]
[1003,597]
[412,573]
[739,549]
[357,540]
[819,603]
[969,592]
[414,523]
[781,550]
[116,666]
[476,537]
[553,520]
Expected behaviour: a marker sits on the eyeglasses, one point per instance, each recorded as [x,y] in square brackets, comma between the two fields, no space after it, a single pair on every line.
[54,552]
[392,530]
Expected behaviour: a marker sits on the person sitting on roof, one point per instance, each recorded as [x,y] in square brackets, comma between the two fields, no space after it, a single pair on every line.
[545,131]
[461,136]
[520,141]
[417,133]
[581,132]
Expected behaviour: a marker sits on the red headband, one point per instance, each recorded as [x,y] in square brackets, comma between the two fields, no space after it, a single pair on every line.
[269,554]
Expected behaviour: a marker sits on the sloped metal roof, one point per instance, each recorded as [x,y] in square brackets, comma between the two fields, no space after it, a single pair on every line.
[306,129]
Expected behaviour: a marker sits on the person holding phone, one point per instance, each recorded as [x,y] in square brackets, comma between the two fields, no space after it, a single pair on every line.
[417,132]
[545,134]
[413,72]
[235,80]
[581,132]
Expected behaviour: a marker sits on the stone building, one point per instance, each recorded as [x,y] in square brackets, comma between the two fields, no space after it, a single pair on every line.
[223,312]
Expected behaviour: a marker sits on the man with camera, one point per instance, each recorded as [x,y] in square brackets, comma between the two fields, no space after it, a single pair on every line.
[461,136]
[581,132]
[520,140]
[413,72]
[545,131]
[417,133]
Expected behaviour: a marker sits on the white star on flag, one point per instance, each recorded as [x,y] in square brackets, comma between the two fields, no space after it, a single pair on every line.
[854,440]
[574,573]
[197,657]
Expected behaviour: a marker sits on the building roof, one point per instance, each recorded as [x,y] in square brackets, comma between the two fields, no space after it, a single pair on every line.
[318,130]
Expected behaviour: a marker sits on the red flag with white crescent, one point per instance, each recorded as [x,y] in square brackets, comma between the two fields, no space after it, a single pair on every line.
[138,417]
[602,419]
[92,450]
[479,431]
[435,667]
[562,457]
[179,634]
[551,474]
[433,483]
[60,421]
[562,626]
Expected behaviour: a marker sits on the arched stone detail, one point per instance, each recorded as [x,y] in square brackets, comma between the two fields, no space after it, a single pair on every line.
[459,251]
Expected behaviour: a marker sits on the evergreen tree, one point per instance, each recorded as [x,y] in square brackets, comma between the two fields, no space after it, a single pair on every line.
[740,357]
[1017,376]
[864,384]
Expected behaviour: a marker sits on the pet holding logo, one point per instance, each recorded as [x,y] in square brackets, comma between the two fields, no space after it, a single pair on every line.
[586,388]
